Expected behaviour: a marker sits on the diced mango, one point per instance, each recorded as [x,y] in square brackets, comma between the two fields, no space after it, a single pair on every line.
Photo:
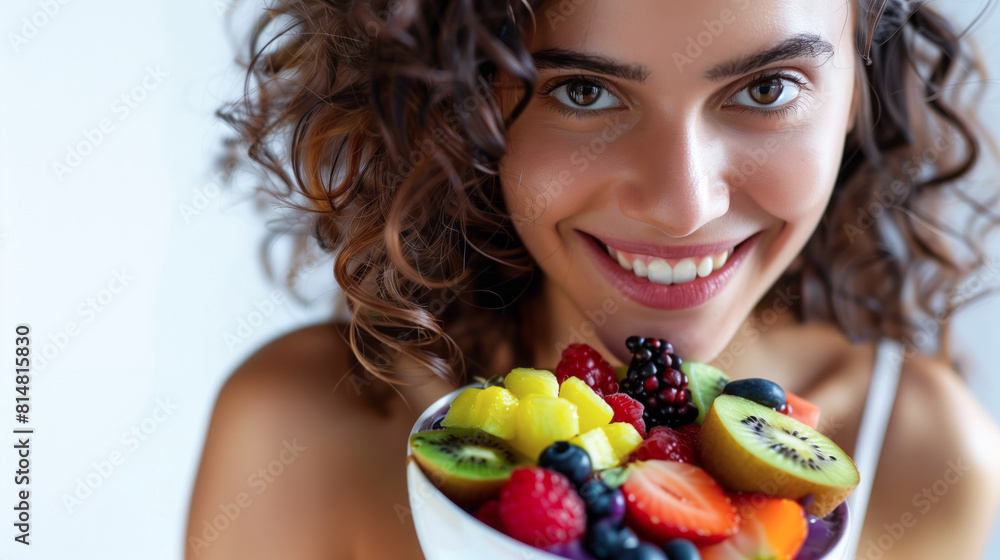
[624,439]
[596,444]
[490,410]
[462,412]
[541,421]
[526,381]
[592,409]
[495,410]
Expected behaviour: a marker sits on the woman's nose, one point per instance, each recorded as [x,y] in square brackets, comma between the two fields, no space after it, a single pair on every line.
[676,179]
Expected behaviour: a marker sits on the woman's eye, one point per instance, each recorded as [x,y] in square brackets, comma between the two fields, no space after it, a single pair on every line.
[583,94]
[768,93]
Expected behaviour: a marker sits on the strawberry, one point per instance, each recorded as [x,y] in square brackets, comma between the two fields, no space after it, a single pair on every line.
[801,410]
[666,500]
[768,528]
[580,360]
[668,444]
[541,508]
[627,410]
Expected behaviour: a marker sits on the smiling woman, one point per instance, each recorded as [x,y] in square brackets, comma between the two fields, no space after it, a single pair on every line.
[672,194]
[760,184]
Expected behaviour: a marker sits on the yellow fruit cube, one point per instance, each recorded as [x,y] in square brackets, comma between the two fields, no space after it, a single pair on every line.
[526,381]
[593,411]
[490,410]
[495,408]
[461,414]
[596,444]
[624,439]
[541,421]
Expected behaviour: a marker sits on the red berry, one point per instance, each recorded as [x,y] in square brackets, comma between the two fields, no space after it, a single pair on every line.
[691,432]
[489,513]
[541,508]
[653,379]
[665,500]
[580,360]
[675,377]
[667,444]
[627,410]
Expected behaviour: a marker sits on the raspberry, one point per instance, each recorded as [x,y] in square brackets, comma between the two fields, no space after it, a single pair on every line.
[541,508]
[654,380]
[690,432]
[580,360]
[627,410]
[667,444]
[489,513]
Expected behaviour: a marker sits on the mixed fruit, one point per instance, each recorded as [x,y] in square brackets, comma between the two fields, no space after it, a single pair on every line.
[661,459]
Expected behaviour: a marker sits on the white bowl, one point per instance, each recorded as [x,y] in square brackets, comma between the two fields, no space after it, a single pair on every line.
[447,532]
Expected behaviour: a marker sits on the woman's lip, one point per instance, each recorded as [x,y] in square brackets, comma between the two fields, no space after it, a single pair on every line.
[673,296]
[666,251]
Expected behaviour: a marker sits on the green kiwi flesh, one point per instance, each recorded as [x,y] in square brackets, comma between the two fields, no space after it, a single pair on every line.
[705,383]
[467,465]
[751,448]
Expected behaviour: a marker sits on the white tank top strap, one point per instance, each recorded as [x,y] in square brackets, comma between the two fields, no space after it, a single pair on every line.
[874,421]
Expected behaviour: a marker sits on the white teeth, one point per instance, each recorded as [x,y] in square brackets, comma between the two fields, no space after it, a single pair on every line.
[705,267]
[660,272]
[685,271]
[622,261]
[719,260]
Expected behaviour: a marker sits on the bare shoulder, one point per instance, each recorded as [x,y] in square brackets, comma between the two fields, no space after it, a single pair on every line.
[268,462]
[937,469]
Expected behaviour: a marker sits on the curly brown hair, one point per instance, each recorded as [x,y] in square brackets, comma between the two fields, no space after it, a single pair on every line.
[377,122]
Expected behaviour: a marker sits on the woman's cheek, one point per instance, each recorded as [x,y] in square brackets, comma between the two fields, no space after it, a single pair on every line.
[530,189]
[795,179]
[541,186]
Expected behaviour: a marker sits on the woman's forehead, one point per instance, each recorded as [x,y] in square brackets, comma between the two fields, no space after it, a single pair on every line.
[655,37]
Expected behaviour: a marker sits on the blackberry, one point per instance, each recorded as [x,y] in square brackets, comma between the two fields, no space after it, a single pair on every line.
[654,379]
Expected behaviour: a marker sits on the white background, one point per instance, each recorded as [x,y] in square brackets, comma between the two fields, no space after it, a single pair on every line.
[150,354]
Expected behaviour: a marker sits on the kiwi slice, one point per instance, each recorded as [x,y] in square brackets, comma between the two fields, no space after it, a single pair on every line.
[748,447]
[467,465]
[705,383]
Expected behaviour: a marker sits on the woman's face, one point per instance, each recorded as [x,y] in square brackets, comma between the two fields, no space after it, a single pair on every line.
[675,159]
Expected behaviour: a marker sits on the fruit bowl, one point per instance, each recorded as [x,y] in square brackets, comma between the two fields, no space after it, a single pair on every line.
[447,532]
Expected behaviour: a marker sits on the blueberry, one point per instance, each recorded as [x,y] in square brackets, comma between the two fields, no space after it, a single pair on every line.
[602,501]
[760,391]
[568,459]
[642,552]
[681,549]
[573,550]
[607,538]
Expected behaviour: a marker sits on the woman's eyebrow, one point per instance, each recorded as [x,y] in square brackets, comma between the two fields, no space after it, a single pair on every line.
[796,46]
[563,58]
